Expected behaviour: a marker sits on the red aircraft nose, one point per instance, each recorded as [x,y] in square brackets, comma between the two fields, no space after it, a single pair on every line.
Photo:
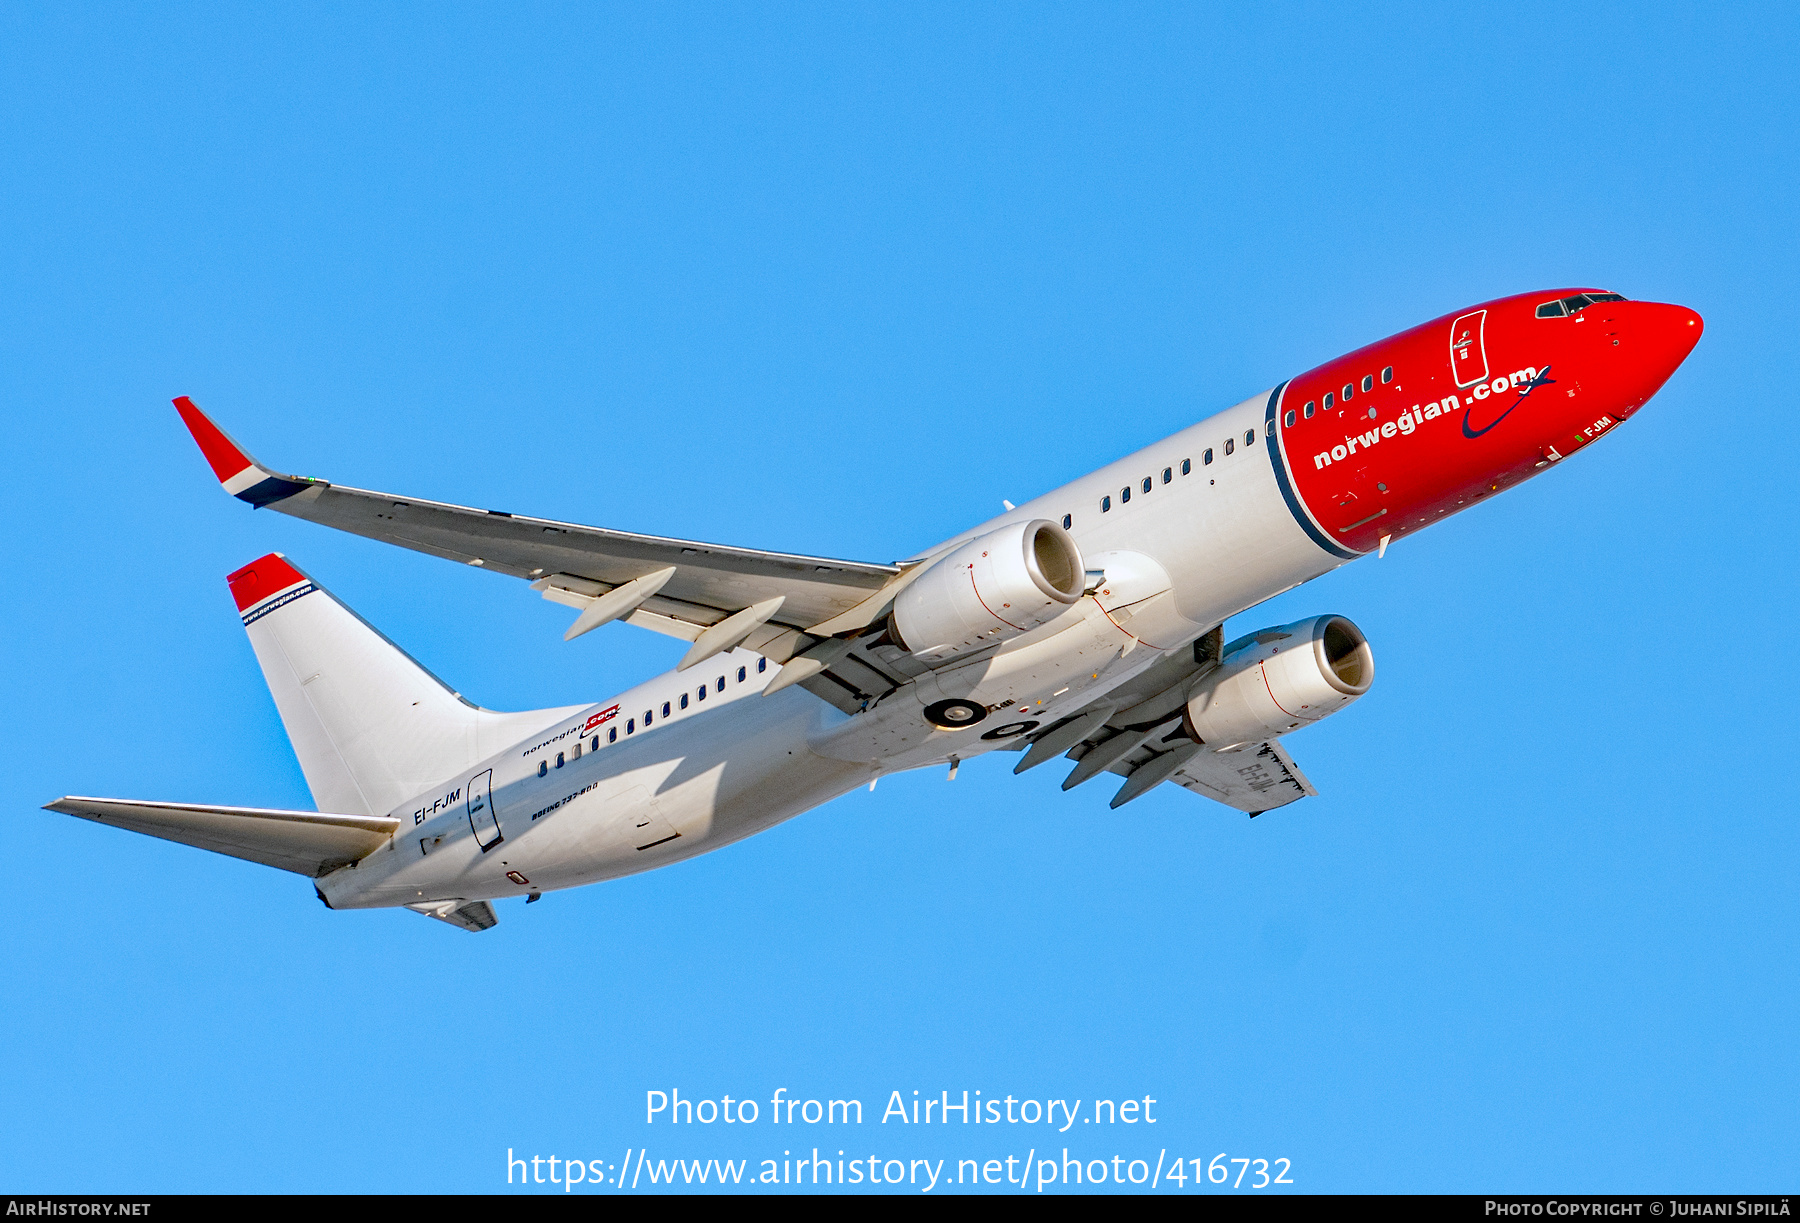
[1674,330]
[1657,338]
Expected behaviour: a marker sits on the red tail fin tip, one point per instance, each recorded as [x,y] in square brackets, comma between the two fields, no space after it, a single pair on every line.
[261,578]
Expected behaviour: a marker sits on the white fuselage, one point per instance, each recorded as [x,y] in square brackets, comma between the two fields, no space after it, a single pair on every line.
[604,794]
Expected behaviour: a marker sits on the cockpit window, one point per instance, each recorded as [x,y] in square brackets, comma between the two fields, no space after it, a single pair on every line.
[1570,305]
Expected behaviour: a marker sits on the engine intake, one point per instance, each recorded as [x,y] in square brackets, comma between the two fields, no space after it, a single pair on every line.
[1279,680]
[999,585]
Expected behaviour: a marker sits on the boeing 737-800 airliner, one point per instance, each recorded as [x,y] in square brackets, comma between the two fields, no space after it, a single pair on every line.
[1087,623]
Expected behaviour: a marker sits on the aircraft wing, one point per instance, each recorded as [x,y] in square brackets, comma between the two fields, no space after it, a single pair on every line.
[305,842]
[1135,732]
[763,601]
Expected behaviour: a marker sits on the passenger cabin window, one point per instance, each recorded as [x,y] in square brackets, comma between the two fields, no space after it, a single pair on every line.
[701,695]
[1368,382]
[1288,420]
[1349,389]
[559,760]
[1125,494]
[1249,437]
[1168,474]
[596,746]
[1387,375]
[612,736]
[665,709]
[1311,407]
[1187,465]
[1328,399]
[1105,504]
[721,683]
[630,726]
[1228,445]
[1068,521]
[684,700]
[543,768]
[648,719]
[1207,457]
[740,675]
[762,664]
[1148,484]
[575,752]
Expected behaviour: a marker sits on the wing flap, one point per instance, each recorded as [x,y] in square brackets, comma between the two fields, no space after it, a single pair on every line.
[306,842]
[1254,779]
[471,915]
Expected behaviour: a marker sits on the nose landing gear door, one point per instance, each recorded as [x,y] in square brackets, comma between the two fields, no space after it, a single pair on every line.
[1468,348]
[481,811]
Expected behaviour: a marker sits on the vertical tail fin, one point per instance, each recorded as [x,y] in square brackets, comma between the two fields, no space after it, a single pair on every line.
[372,728]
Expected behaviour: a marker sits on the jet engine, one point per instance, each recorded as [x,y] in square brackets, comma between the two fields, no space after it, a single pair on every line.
[1279,680]
[996,586]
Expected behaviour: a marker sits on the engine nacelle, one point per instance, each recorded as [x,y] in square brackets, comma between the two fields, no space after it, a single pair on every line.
[997,586]
[1279,680]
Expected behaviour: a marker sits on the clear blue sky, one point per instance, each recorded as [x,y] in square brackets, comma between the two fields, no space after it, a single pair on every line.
[838,279]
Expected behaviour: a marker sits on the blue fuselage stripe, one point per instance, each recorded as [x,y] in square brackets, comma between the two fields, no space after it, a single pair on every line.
[1287,487]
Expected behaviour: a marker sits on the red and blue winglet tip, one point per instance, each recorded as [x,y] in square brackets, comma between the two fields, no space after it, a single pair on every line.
[242,476]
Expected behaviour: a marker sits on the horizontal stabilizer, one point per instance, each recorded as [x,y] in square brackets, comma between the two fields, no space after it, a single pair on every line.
[305,842]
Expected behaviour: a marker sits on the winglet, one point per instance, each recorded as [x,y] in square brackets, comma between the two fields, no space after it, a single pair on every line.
[225,456]
[242,476]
